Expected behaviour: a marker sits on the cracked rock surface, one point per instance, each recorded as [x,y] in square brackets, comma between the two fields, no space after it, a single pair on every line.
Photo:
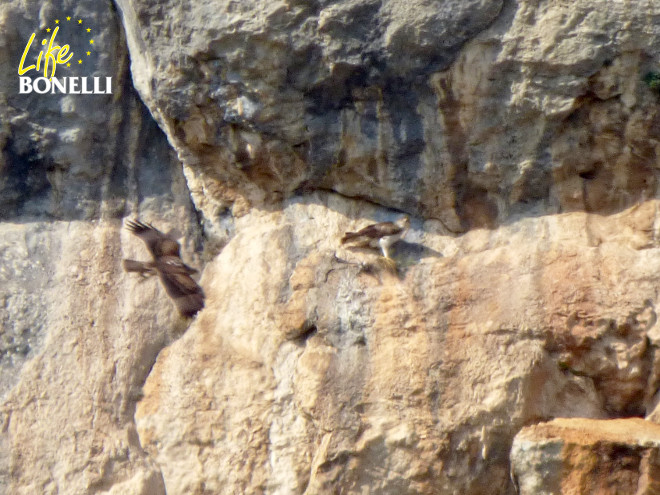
[515,331]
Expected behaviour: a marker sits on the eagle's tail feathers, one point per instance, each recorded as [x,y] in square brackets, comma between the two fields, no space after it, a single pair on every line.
[189,304]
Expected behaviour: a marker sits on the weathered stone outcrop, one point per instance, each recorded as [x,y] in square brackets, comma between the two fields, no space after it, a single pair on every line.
[77,337]
[522,139]
[587,456]
[65,156]
[462,111]
[408,383]
[270,98]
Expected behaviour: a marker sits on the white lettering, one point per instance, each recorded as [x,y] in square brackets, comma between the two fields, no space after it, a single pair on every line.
[64,85]
[61,85]
[73,86]
[85,91]
[26,85]
[36,82]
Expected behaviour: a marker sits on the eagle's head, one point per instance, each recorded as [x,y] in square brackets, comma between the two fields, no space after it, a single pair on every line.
[403,222]
[167,247]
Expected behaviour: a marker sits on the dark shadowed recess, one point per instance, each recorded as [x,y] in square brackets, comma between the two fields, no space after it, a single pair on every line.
[133,160]
[325,103]
[24,184]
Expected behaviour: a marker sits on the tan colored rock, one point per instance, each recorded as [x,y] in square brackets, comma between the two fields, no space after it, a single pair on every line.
[580,456]
[527,127]
[67,423]
[77,336]
[317,369]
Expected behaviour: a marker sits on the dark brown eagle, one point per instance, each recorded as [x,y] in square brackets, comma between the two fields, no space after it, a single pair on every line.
[174,274]
[381,235]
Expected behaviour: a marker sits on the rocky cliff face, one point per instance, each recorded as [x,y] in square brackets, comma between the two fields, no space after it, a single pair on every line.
[520,137]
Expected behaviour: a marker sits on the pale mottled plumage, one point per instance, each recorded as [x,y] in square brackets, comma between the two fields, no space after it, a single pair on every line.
[382,234]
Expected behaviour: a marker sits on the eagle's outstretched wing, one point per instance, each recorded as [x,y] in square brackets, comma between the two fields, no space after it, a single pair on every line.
[158,243]
[174,274]
[375,231]
[142,267]
[383,234]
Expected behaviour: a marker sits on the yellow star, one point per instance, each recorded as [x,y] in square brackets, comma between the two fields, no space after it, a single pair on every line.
[57,21]
[80,61]
[68,18]
[91,42]
[89,30]
[68,64]
[48,30]
[79,21]
[89,53]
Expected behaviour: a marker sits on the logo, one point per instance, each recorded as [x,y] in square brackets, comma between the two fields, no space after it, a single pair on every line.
[44,54]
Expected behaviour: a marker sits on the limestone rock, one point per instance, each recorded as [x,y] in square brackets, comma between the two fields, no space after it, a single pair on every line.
[467,112]
[61,154]
[77,337]
[522,137]
[318,369]
[587,456]
[272,98]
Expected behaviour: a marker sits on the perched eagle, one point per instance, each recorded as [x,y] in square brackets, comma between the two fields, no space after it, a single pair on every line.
[382,234]
[174,274]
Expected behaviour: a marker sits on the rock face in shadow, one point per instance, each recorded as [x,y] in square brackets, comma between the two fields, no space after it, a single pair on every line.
[77,336]
[64,156]
[521,137]
[271,98]
[464,112]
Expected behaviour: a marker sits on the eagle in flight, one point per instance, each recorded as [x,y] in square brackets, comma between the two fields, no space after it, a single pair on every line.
[381,235]
[174,274]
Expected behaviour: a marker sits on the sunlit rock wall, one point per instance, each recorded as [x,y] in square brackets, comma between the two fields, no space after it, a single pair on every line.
[520,137]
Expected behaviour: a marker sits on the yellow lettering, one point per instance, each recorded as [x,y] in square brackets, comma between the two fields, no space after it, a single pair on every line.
[48,56]
[62,53]
[21,70]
